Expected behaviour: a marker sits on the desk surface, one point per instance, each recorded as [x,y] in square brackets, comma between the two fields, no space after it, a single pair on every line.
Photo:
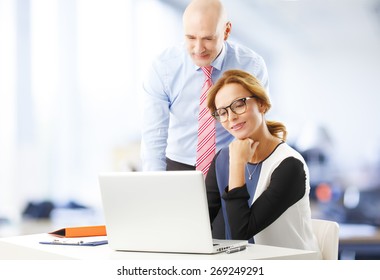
[27,247]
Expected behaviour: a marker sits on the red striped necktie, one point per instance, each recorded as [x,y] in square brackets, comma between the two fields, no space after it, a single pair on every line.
[206,129]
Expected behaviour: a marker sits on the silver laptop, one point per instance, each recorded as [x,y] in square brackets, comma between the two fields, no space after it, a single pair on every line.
[162,211]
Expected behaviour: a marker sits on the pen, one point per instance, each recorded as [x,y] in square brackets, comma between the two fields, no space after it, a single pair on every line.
[62,242]
[236,249]
[79,243]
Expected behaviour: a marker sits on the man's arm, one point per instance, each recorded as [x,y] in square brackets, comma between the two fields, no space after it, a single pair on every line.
[155,124]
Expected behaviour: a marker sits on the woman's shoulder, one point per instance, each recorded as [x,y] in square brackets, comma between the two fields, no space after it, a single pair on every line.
[282,152]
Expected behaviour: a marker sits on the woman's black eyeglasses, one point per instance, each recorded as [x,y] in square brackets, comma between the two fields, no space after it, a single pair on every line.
[238,107]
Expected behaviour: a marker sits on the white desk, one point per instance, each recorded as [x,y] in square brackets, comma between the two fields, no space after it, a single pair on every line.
[27,247]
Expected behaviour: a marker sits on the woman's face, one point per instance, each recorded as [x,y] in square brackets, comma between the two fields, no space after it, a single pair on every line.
[247,124]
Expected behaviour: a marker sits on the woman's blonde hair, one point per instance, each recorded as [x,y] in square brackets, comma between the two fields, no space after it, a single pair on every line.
[253,85]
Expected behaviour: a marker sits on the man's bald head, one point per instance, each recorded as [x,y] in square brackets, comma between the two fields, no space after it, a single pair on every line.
[207,8]
[205,27]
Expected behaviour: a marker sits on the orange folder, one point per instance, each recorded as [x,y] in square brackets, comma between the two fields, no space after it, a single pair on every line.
[85,231]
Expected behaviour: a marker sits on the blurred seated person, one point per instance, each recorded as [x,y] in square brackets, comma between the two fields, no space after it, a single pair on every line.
[259,181]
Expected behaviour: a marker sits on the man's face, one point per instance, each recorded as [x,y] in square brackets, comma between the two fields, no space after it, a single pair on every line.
[204,39]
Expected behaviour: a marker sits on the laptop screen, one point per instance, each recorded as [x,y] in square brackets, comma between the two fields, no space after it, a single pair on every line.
[156,211]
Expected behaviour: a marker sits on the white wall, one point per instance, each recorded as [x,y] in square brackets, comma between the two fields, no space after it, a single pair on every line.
[324,63]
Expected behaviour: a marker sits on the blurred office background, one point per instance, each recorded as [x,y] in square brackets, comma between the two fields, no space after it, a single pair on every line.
[70,100]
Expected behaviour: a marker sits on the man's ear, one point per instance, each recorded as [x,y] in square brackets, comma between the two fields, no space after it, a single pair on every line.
[227,30]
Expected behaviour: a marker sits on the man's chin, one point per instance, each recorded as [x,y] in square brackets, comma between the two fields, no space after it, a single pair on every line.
[201,62]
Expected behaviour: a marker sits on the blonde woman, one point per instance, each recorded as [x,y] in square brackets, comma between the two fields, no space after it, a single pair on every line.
[260,182]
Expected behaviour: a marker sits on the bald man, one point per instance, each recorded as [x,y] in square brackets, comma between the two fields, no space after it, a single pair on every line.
[172,88]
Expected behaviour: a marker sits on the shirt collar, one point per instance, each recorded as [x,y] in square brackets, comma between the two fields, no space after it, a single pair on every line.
[217,63]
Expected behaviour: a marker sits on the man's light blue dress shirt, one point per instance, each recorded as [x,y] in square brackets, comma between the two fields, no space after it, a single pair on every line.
[171,102]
